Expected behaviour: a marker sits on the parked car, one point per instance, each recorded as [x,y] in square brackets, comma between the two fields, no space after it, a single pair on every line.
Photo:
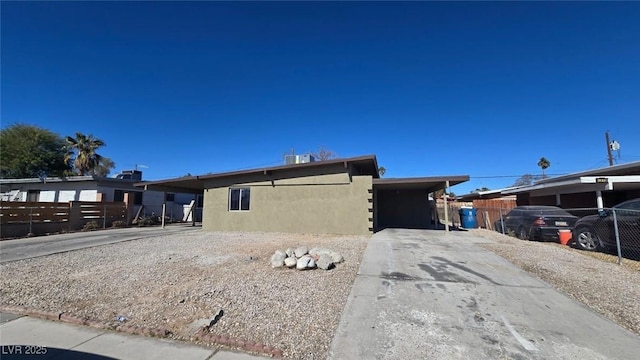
[597,232]
[537,222]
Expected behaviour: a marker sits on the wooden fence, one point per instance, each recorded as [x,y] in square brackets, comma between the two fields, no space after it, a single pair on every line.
[37,218]
[489,211]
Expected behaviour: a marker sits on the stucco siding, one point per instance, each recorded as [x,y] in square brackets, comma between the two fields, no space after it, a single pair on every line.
[333,203]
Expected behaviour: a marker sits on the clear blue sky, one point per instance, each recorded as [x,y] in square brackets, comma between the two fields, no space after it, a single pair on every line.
[431,88]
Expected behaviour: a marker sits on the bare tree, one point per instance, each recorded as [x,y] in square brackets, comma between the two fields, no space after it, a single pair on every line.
[324,154]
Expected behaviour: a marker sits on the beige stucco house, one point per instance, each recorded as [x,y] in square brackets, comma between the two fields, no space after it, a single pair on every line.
[341,196]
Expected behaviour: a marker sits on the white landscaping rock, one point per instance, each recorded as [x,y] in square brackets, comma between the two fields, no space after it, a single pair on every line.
[311,264]
[317,251]
[290,262]
[290,252]
[303,262]
[325,262]
[277,259]
[336,257]
[301,251]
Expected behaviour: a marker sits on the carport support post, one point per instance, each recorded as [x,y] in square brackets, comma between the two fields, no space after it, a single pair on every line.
[599,199]
[164,207]
[446,207]
[193,210]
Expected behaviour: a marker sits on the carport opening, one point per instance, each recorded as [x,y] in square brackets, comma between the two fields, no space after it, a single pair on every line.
[404,208]
[405,202]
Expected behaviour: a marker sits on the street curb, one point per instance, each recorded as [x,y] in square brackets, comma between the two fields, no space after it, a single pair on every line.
[203,334]
[206,336]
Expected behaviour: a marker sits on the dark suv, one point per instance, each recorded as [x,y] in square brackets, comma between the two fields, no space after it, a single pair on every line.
[538,222]
[596,232]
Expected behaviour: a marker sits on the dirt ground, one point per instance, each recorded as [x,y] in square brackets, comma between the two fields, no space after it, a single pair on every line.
[172,281]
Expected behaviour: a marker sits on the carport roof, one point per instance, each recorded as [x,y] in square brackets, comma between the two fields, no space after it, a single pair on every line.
[367,165]
[631,168]
[429,184]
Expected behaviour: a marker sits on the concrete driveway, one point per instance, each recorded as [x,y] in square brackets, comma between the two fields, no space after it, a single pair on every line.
[20,249]
[422,294]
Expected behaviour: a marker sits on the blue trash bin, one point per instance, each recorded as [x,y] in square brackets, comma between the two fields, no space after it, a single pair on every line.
[468,218]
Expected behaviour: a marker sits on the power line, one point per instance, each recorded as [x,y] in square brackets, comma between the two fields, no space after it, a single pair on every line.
[508,176]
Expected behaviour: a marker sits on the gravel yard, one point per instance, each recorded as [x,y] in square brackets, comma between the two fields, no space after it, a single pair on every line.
[591,278]
[172,281]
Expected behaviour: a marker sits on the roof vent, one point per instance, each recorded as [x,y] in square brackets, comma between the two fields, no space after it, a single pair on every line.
[130,175]
[298,159]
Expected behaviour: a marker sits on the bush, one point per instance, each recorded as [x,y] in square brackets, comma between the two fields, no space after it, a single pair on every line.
[91,225]
[119,224]
[148,220]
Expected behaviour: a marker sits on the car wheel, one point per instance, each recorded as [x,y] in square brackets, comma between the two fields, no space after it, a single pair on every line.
[522,233]
[586,239]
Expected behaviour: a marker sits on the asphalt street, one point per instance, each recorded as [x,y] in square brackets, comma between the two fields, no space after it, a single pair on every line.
[20,249]
[422,294]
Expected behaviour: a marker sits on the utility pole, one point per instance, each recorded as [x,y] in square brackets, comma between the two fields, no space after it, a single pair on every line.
[606,135]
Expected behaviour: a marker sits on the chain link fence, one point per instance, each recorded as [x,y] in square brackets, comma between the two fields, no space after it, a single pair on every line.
[611,230]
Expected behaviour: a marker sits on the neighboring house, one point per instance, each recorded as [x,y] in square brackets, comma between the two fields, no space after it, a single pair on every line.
[96,188]
[342,196]
[487,194]
[604,187]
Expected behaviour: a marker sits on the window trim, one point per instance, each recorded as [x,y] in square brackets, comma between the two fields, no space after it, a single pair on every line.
[242,192]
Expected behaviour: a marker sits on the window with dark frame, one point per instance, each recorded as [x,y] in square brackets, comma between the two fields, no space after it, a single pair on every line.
[33,195]
[118,195]
[239,199]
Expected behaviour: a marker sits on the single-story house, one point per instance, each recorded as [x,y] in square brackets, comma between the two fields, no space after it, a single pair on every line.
[96,189]
[342,196]
[487,194]
[603,187]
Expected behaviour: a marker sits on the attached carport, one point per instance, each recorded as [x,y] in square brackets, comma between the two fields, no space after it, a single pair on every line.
[404,202]
[186,185]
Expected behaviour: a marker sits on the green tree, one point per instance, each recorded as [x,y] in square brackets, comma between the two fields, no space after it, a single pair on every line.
[30,151]
[104,167]
[381,171]
[484,188]
[544,164]
[82,153]
[440,193]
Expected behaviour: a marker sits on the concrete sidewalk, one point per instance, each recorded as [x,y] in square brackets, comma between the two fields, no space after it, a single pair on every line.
[55,340]
[26,248]
[423,294]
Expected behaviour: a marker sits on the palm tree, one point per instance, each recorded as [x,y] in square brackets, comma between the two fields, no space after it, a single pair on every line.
[381,171]
[543,163]
[84,148]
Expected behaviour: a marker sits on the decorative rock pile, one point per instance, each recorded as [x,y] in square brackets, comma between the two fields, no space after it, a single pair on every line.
[303,259]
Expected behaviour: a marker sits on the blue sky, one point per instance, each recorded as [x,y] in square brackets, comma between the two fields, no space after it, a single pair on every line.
[431,88]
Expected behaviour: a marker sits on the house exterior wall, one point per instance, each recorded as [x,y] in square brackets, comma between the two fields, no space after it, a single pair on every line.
[334,202]
[57,191]
[580,200]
